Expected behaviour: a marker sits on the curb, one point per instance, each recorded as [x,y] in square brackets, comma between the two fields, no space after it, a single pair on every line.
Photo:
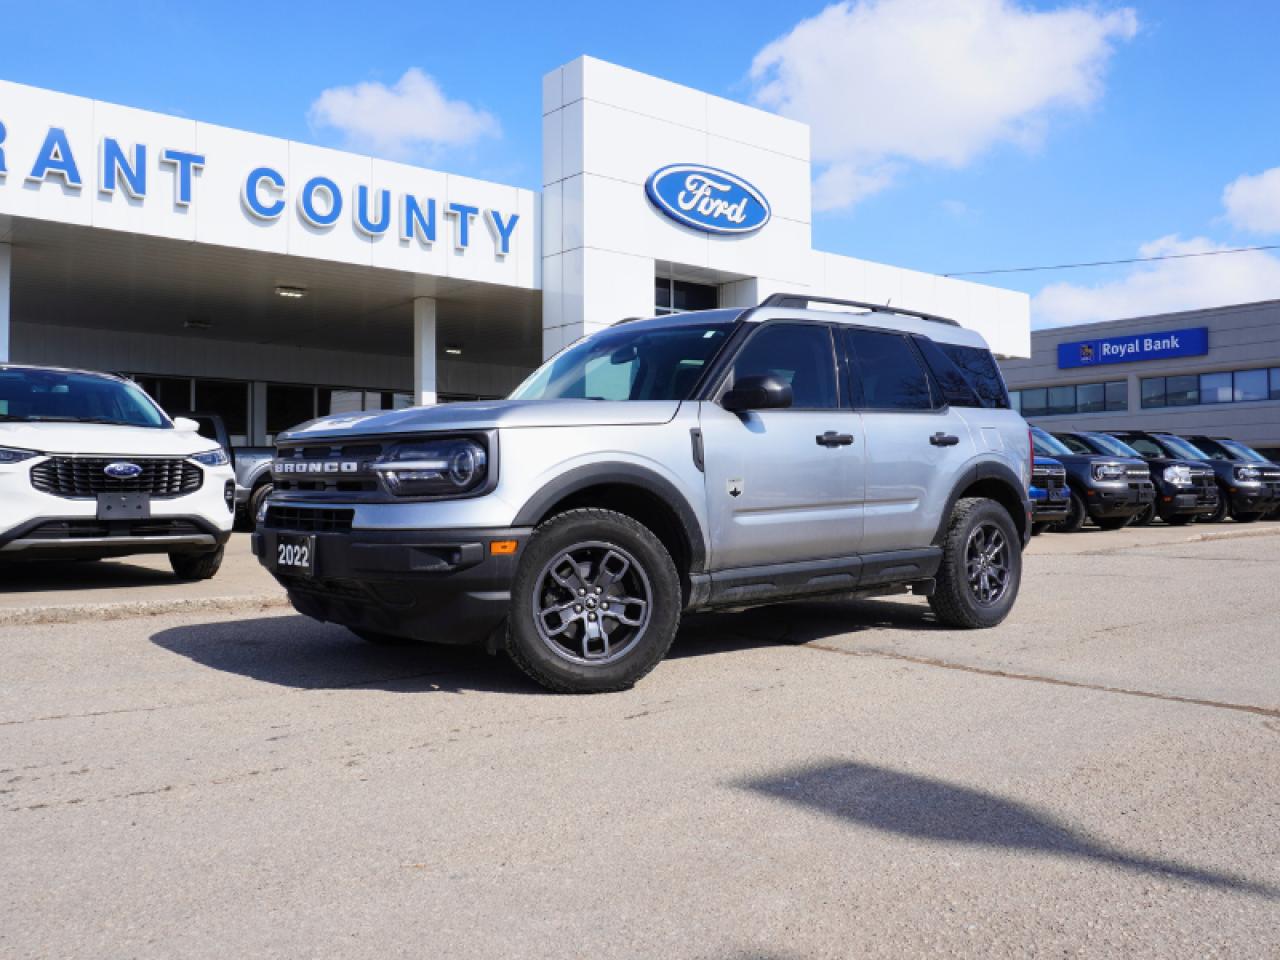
[1235,534]
[77,613]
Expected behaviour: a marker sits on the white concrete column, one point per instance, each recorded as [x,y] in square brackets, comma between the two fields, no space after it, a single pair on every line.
[6,277]
[424,351]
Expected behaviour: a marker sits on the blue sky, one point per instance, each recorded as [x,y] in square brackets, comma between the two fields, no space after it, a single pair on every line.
[1182,100]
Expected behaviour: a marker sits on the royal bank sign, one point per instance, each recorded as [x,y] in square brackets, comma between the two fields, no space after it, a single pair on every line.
[1134,348]
[708,199]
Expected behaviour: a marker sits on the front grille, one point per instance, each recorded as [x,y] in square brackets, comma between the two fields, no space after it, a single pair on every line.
[1137,473]
[95,529]
[359,453]
[308,520]
[83,478]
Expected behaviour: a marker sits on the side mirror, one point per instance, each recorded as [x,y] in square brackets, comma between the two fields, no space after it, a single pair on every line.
[757,393]
[186,425]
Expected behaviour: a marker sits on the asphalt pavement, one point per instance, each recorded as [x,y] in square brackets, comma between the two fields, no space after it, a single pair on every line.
[1098,777]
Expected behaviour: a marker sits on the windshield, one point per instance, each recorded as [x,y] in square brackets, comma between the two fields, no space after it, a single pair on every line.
[1047,445]
[1243,452]
[1184,448]
[1109,444]
[629,362]
[35,396]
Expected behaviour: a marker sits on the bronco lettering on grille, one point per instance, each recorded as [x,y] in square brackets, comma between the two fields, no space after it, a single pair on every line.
[316,466]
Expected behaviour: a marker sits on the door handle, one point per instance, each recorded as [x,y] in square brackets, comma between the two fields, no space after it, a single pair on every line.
[944,440]
[833,439]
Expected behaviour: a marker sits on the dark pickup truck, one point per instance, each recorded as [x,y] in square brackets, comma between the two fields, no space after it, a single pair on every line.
[1108,488]
[252,468]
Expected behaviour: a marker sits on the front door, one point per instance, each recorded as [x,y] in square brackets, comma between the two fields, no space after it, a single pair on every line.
[784,485]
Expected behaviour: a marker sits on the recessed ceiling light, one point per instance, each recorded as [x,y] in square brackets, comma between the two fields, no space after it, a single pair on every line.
[453,351]
[291,293]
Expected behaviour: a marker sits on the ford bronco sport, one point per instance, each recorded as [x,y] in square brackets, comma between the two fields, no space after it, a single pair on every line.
[708,460]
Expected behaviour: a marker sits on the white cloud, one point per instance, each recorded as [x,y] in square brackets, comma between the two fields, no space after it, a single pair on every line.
[1163,286]
[393,121]
[883,82]
[1253,202]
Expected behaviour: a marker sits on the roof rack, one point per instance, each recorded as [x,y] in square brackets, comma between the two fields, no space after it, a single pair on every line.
[799,301]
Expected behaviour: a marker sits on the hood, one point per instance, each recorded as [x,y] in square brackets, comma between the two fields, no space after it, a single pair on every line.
[104,439]
[489,415]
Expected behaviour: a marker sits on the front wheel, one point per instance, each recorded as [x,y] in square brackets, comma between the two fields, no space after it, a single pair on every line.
[196,566]
[981,566]
[1219,512]
[1076,515]
[595,603]
[1144,517]
[1246,517]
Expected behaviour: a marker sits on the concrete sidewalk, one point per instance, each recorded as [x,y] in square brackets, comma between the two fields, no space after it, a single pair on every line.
[64,592]
[51,591]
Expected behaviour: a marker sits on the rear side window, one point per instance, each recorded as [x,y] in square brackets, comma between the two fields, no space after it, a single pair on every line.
[955,386]
[980,370]
[887,371]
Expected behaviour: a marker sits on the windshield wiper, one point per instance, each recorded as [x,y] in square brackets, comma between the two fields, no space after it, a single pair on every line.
[118,423]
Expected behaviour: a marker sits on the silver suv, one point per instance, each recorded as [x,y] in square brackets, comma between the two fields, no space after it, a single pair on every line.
[709,460]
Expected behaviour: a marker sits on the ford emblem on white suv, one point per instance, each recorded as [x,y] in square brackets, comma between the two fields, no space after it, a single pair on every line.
[708,199]
[122,471]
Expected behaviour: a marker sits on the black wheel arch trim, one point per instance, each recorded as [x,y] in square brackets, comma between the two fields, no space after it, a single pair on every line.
[977,473]
[625,475]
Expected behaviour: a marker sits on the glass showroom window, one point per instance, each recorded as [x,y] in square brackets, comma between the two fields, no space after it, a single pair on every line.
[678,296]
[229,399]
[287,406]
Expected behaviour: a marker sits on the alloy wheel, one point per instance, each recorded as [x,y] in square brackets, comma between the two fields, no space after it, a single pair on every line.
[987,563]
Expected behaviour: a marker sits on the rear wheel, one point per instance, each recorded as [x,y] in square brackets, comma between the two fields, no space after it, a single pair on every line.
[1219,512]
[1144,517]
[595,603]
[1246,517]
[196,566]
[1113,523]
[981,566]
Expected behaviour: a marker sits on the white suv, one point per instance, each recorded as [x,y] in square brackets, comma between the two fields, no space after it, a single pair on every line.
[90,468]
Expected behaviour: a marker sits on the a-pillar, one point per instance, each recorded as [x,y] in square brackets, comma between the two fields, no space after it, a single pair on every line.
[6,278]
[424,351]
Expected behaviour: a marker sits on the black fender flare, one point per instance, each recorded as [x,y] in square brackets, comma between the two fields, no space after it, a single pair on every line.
[625,475]
[988,470]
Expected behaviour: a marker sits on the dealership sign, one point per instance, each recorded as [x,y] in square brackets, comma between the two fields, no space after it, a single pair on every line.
[1134,348]
[708,199]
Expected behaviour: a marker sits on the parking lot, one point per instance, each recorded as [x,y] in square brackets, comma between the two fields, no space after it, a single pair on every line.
[1097,776]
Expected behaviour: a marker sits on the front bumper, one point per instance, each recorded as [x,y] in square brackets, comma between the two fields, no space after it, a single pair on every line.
[1104,502]
[443,586]
[1183,501]
[1253,498]
[1049,505]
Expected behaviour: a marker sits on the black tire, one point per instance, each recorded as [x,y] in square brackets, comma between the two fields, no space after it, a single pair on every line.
[1113,523]
[196,566]
[955,599]
[1246,517]
[260,493]
[1181,519]
[1039,528]
[1219,512]
[1144,517]
[381,639]
[1075,518]
[564,662]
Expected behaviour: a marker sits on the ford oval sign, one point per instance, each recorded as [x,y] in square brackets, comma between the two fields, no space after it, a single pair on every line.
[708,199]
[122,471]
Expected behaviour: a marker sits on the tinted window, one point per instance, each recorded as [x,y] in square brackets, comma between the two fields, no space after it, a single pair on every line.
[230,400]
[1275,383]
[1091,398]
[37,395]
[1144,445]
[1035,402]
[979,367]
[1074,444]
[1214,387]
[1153,392]
[798,354]
[1117,394]
[1185,391]
[888,372]
[1251,385]
[288,406]
[1214,449]
[955,386]
[1062,399]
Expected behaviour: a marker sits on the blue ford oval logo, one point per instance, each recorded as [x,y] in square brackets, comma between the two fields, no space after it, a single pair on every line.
[708,199]
[122,471]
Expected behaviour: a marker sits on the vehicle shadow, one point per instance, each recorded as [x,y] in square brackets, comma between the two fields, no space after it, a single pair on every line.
[927,808]
[294,651]
[60,576]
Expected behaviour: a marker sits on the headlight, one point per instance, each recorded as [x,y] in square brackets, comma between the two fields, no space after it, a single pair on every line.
[12,455]
[434,468]
[212,458]
[1178,476]
[1108,471]
[1248,475]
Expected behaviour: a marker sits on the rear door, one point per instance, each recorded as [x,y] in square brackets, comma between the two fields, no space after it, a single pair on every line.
[784,485]
[916,445]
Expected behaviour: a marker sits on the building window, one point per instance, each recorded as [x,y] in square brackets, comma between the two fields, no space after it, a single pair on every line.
[678,296]
[1238,386]
[1111,396]
[287,406]
[172,393]
[229,399]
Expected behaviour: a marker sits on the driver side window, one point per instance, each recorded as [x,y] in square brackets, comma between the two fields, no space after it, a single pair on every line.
[798,354]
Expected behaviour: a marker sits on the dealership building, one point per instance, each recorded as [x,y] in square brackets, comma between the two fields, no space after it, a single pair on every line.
[270,281]
[1212,372]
